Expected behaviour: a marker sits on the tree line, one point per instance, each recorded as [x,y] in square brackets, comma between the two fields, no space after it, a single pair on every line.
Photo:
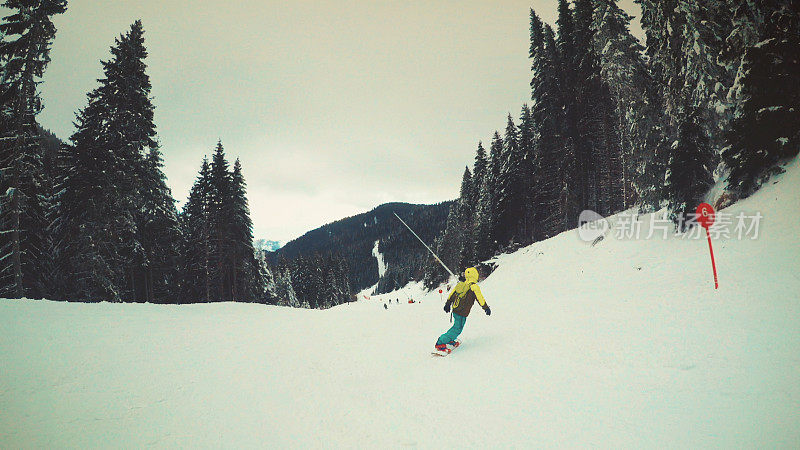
[611,124]
[94,220]
[614,124]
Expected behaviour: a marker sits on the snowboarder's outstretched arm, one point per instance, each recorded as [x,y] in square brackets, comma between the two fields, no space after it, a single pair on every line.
[481,300]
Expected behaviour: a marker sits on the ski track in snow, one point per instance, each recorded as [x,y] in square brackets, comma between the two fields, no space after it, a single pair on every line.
[624,344]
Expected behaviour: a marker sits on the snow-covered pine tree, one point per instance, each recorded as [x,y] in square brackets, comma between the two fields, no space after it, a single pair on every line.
[343,270]
[25,38]
[623,69]
[529,228]
[84,251]
[485,210]
[268,294]
[706,82]
[663,27]
[598,146]
[479,174]
[50,149]
[689,171]
[100,185]
[766,127]
[508,189]
[196,230]
[220,211]
[590,151]
[547,117]
[247,283]
[130,133]
[466,214]
[451,244]
[684,40]
[571,179]
[650,161]
[284,292]
[303,281]
[159,233]
[153,253]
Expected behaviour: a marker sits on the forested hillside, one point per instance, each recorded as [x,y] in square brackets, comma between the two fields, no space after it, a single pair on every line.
[353,240]
[614,124]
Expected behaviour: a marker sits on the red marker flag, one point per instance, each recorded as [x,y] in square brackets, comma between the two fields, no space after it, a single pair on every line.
[705,217]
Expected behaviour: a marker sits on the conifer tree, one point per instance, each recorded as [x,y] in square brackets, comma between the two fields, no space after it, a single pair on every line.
[247,282]
[25,38]
[100,187]
[452,245]
[159,233]
[486,211]
[682,48]
[547,117]
[477,181]
[689,172]
[478,173]
[766,127]
[220,212]
[196,229]
[529,188]
[466,215]
[623,69]
[509,194]
[571,178]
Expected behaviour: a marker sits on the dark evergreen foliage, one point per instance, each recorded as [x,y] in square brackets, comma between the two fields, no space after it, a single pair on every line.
[509,188]
[25,38]
[689,172]
[98,204]
[196,252]
[219,262]
[766,127]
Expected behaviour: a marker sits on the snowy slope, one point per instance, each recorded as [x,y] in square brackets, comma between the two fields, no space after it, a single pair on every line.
[379,256]
[622,344]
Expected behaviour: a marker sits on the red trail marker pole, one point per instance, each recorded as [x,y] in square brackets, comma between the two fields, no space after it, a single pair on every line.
[705,216]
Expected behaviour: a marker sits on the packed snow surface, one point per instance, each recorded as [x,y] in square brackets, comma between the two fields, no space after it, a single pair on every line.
[621,344]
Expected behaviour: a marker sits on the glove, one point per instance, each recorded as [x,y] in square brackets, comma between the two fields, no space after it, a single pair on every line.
[487,310]
[447,307]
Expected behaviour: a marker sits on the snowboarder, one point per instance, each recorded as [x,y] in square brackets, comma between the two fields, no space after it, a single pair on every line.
[461,298]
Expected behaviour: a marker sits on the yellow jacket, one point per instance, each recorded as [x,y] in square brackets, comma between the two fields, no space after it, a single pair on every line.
[464,295]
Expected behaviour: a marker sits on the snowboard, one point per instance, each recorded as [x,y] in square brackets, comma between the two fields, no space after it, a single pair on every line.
[443,354]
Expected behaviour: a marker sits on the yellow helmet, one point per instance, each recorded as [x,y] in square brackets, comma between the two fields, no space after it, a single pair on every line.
[471,274]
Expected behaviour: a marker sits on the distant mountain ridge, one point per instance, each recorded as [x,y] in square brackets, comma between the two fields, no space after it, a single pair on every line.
[353,238]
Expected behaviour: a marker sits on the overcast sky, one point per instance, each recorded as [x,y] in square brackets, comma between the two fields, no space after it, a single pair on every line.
[333,107]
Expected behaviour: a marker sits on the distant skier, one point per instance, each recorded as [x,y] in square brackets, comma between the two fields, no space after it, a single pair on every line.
[385,307]
[461,298]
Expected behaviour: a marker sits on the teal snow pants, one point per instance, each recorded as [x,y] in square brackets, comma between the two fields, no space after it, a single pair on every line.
[454,331]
